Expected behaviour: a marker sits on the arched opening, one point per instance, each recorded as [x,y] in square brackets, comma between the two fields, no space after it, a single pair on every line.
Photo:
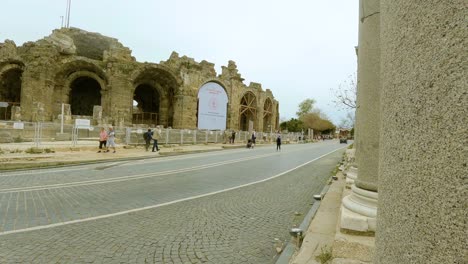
[85,93]
[248,112]
[10,91]
[146,100]
[267,116]
[155,91]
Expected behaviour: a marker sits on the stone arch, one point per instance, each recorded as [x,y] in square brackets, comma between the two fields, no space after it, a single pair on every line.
[84,93]
[10,87]
[248,111]
[268,125]
[154,90]
[221,83]
[80,73]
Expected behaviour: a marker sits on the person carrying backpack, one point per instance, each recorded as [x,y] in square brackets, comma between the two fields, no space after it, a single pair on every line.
[147,137]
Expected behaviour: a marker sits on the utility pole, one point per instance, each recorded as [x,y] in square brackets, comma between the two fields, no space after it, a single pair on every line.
[67,14]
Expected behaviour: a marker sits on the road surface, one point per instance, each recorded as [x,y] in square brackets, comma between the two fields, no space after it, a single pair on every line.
[216,207]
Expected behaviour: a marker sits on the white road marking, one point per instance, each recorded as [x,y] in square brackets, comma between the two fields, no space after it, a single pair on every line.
[133,177]
[130,177]
[144,159]
[159,205]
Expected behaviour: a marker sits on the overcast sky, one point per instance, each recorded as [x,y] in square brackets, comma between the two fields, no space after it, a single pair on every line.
[297,48]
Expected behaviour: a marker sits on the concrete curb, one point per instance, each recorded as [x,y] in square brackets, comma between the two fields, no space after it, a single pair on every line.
[290,248]
[61,164]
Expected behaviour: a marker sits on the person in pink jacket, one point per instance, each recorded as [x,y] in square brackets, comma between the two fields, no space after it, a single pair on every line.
[102,139]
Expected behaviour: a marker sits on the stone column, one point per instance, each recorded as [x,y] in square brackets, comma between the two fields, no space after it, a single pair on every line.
[97,115]
[179,107]
[36,90]
[423,186]
[359,209]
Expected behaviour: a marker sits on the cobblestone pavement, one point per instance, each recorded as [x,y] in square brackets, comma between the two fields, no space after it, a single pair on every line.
[236,226]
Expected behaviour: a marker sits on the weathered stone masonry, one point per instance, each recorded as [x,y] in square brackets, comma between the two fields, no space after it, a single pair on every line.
[97,78]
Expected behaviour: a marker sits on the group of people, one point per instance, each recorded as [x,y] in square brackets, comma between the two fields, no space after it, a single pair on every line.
[106,140]
[252,141]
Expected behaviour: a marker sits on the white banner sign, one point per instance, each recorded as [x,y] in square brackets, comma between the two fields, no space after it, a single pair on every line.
[82,123]
[212,107]
[18,125]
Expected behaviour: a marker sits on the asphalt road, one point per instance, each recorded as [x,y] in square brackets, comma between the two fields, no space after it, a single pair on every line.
[216,207]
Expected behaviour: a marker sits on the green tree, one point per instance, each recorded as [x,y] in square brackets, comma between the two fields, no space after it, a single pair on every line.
[305,107]
[293,125]
[318,122]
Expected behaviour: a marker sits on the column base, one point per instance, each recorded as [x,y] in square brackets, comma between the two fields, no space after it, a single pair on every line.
[359,210]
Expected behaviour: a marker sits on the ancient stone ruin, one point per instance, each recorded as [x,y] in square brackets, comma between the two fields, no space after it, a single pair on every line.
[95,77]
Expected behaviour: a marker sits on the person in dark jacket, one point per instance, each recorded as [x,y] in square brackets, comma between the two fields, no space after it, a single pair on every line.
[278,142]
[233,136]
[254,137]
[147,137]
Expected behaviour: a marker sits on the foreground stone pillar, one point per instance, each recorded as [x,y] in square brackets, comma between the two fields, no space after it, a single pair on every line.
[359,209]
[423,163]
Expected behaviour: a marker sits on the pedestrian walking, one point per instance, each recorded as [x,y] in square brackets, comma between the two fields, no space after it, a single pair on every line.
[278,142]
[111,139]
[147,137]
[233,136]
[102,139]
[254,137]
[155,137]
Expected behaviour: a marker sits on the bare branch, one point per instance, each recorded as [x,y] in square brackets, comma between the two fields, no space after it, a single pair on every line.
[345,94]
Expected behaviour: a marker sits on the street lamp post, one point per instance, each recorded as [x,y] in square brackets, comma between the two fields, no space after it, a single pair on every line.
[271,131]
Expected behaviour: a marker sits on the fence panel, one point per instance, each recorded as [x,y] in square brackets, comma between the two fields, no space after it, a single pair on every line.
[24,135]
[17,136]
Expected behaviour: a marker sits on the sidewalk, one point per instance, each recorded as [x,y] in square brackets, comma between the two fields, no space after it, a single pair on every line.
[14,156]
[319,237]
[324,242]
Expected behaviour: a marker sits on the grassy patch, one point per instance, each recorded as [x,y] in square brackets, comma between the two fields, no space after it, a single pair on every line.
[15,151]
[18,139]
[335,170]
[48,150]
[325,255]
[34,151]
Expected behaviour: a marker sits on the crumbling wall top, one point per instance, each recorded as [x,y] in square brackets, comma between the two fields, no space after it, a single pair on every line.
[231,72]
[256,86]
[186,63]
[7,49]
[75,41]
